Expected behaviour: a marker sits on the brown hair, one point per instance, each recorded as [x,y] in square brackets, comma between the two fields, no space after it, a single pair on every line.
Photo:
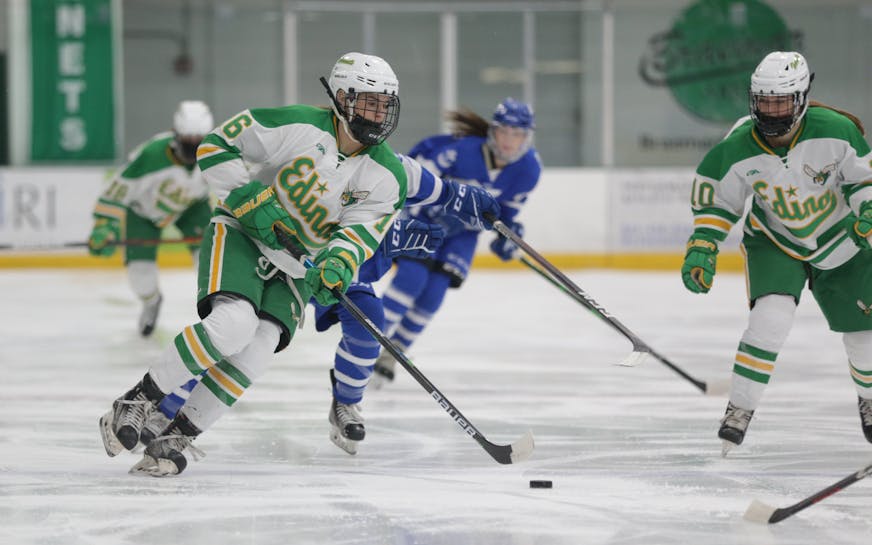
[849,115]
[465,122]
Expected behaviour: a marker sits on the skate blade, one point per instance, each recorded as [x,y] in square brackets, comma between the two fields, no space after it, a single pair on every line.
[726,447]
[154,467]
[381,377]
[347,445]
[110,442]
[377,382]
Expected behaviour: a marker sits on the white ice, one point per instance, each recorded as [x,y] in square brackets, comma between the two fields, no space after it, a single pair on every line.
[632,452]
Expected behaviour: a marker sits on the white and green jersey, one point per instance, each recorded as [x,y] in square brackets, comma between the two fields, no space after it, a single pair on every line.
[333,200]
[153,184]
[800,193]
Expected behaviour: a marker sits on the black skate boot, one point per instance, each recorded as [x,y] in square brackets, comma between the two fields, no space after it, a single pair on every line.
[164,455]
[734,424]
[121,426]
[383,372]
[148,317]
[155,424]
[865,406]
[346,424]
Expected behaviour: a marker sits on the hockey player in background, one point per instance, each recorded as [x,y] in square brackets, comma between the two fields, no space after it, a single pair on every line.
[323,176]
[807,167]
[410,238]
[160,185]
[497,156]
[357,349]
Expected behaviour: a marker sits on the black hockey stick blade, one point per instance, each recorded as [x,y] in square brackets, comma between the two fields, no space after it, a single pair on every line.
[640,348]
[766,514]
[516,452]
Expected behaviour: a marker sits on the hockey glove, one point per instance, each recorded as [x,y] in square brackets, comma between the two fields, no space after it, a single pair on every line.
[106,231]
[259,212]
[412,238]
[700,261]
[471,205]
[505,248]
[334,268]
[861,228]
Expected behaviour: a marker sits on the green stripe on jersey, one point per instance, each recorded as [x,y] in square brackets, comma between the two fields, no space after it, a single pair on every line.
[152,156]
[271,118]
[385,156]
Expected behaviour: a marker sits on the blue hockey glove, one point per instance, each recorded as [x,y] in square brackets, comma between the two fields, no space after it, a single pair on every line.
[259,212]
[471,205]
[334,268]
[861,227]
[700,262]
[105,231]
[412,238]
[504,248]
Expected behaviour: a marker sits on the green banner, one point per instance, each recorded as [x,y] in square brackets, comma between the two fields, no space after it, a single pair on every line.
[73,101]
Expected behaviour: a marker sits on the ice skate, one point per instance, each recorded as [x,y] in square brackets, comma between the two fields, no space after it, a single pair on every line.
[121,426]
[164,456]
[148,317]
[155,424]
[346,426]
[383,372]
[734,424]
[865,406]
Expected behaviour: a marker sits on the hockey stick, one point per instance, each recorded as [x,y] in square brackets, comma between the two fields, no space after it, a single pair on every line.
[640,348]
[129,242]
[516,452]
[760,512]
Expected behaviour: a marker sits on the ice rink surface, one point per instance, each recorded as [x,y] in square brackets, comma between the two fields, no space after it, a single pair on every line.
[632,452]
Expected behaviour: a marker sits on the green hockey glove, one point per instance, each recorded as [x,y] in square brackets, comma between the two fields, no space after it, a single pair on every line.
[105,232]
[700,261]
[861,228]
[259,212]
[334,269]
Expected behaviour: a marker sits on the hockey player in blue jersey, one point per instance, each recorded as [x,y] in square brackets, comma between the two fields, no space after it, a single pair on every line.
[357,351]
[497,156]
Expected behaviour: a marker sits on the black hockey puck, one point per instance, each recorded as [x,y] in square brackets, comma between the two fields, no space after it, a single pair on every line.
[540,484]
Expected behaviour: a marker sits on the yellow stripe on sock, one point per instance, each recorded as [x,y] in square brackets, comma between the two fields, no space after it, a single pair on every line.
[196,349]
[228,384]
[756,364]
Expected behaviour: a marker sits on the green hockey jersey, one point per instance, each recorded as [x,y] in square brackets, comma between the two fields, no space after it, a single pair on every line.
[800,195]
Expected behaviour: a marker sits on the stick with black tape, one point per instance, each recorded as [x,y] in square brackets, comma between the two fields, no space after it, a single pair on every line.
[640,348]
[128,242]
[760,512]
[505,454]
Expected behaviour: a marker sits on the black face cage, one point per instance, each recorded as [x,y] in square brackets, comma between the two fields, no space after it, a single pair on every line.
[185,148]
[780,122]
[369,132]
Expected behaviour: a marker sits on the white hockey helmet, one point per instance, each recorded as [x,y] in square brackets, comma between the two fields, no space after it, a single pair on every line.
[191,122]
[785,74]
[356,73]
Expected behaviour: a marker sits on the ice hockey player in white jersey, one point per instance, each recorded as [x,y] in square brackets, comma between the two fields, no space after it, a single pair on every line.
[807,167]
[160,185]
[357,350]
[325,178]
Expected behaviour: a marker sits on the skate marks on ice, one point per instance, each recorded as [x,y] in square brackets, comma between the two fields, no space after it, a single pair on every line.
[632,452]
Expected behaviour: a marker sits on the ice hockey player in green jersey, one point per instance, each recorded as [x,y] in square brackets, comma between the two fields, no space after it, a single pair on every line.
[807,168]
[329,181]
[160,185]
